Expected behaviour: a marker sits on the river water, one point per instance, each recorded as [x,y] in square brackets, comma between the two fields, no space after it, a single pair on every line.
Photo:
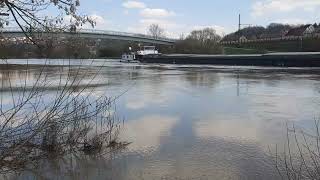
[188,122]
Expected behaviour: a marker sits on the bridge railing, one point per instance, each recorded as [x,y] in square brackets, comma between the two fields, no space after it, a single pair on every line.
[119,33]
[102,32]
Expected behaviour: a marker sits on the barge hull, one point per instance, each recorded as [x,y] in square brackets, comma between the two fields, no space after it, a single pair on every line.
[272,59]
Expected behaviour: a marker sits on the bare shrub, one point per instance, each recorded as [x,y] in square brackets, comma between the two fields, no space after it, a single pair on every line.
[300,157]
[53,117]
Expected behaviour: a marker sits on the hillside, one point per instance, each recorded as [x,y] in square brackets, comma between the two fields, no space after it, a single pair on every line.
[274,30]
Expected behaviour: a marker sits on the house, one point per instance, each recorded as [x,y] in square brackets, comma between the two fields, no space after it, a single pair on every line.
[301,30]
[243,39]
[310,30]
[317,30]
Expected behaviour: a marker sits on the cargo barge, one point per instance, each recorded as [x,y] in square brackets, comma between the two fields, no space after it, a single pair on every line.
[294,59]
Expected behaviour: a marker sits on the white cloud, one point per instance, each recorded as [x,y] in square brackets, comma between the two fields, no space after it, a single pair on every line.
[170,27]
[101,22]
[156,13]
[263,7]
[165,19]
[150,16]
[98,19]
[174,29]
[292,21]
[134,5]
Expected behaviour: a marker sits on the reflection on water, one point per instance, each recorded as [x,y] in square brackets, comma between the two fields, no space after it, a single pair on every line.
[226,126]
[201,122]
[146,133]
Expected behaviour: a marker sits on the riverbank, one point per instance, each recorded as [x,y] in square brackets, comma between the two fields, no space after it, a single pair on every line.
[295,59]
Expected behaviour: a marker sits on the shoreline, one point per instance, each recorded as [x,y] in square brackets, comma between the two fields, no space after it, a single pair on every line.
[295,59]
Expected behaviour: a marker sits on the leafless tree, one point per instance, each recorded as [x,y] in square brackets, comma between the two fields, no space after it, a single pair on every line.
[203,41]
[156,31]
[206,35]
[27,15]
[299,158]
[181,37]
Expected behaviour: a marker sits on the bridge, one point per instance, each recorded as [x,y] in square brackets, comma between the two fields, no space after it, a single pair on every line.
[91,34]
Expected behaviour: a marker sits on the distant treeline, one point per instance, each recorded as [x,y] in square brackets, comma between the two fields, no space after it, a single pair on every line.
[274,38]
[65,48]
[198,42]
[204,41]
[48,48]
[274,30]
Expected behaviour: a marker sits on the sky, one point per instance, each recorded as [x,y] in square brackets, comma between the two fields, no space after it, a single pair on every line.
[182,16]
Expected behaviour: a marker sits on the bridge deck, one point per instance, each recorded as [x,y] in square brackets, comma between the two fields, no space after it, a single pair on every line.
[89,33]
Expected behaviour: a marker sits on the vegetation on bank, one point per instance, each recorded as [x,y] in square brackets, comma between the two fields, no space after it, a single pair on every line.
[299,157]
[67,48]
[273,30]
[37,124]
[276,37]
[204,41]
[197,42]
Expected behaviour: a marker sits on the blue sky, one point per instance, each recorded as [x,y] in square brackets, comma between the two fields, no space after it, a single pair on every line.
[182,16]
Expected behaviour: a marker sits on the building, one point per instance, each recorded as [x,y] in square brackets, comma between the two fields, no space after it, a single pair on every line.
[317,30]
[301,30]
[243,39]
